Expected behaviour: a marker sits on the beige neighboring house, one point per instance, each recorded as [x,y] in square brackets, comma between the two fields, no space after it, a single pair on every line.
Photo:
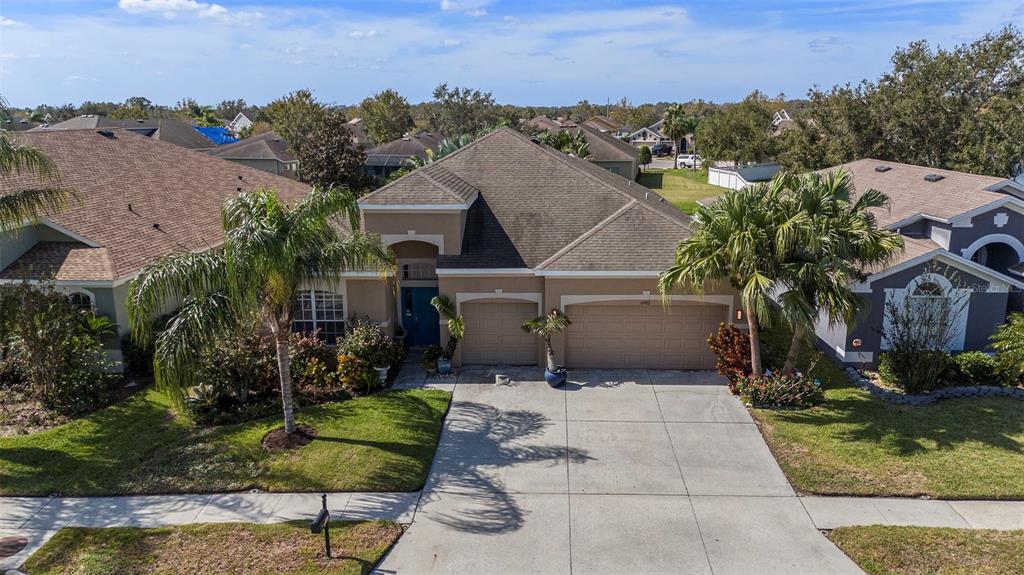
[140,199]
[508,230]
[266,151]
[611,153]
[605,124]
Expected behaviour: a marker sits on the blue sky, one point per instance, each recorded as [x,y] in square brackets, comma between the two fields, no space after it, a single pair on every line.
[525,51]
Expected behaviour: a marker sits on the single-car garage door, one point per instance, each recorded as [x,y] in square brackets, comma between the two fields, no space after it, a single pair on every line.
[637,335]
[494,334]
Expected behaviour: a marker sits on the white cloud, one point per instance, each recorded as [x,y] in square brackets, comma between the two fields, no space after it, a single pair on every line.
[171,7]
[476,13]
[450,43]
[9,22]
[468,7]
[362,34]
[447,5]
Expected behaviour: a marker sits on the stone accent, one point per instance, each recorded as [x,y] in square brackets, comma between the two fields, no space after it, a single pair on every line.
[929,398]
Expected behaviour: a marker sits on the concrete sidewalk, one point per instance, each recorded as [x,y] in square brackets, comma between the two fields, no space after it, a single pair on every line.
[832,512]
[39,518]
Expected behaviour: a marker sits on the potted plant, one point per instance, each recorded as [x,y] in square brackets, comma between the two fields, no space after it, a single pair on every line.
[456,331]
[430,357]
[547,326]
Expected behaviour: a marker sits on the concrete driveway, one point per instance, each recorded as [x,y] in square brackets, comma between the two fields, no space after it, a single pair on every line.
[619,472]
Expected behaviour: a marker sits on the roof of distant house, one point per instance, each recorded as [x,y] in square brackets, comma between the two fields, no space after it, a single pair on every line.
[164,129]
[606,148]
[355,125]
[603,123]
[395,152]
[911,195]
[265,146]
[532,206]
[18,125]
[140,199]
[544,123]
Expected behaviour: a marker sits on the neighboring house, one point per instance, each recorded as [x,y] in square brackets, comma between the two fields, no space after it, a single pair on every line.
[611,153]
[19,125]
[240,123]
[219,135]
[164,129]
[267,152]
[359,136]
[964,237]
[782,122]
[383,160]
[509,229]
[545,123]
[736,178]
[139,199]
[650,136]
[607,125]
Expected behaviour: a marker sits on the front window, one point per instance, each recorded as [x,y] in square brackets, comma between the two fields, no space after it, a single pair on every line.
[320,310]
[419,271]
[80,300]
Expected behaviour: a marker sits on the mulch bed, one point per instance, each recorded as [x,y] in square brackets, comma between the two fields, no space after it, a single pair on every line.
[278,440]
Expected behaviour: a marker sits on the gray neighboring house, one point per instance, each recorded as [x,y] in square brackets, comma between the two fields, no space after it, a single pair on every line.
[964,241]
[140,199]
[164,129]
[611,153]
[387,158]
[267,152]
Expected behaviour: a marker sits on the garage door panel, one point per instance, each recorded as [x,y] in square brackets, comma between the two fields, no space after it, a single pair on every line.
[494,334]
[642,336]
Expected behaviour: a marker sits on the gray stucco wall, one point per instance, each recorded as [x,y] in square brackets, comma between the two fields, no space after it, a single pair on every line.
[625,169]
[985,224]
[986,309]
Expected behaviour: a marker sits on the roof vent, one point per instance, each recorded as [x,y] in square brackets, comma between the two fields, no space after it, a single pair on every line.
[882,168]
[106,134]
[933,177]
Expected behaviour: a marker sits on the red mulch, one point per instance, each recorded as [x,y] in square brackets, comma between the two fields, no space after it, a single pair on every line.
[278,440]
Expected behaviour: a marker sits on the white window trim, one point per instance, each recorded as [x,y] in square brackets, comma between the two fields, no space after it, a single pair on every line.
[342,291]
[412,236]
[68,290]
[956,296]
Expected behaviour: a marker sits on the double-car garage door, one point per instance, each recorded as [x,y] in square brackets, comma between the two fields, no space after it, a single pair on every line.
[642,335]
[630,334]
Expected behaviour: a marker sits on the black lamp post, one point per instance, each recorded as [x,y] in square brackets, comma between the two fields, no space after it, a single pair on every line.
[323,523]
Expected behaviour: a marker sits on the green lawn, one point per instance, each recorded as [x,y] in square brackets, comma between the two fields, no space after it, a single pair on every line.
[382,442]
[216,549]
[681,187]
[856,444]
[921,550]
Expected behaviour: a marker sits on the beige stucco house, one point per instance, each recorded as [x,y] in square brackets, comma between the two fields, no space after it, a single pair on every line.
[509,229]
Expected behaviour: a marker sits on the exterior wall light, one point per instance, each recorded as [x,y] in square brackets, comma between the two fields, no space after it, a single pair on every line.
[739,314]
[856,343]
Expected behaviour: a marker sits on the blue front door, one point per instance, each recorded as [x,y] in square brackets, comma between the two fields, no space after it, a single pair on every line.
[419,318]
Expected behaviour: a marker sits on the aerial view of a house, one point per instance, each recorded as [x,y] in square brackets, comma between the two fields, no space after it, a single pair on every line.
[474,286]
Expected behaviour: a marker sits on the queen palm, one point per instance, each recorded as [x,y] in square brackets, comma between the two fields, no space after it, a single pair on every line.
[271,251]
[837,241]
[737,239]
[34,203]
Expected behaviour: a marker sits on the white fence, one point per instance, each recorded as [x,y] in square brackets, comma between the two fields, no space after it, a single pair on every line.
[739,178]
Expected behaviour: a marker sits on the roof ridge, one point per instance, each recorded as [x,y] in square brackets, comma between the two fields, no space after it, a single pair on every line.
[438,184]
[417,170]
[589,233]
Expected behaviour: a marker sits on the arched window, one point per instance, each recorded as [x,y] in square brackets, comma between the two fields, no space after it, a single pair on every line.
[81,300]
[320,310]
[928,289]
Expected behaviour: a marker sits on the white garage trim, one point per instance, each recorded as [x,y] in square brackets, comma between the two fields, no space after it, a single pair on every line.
[412,236]
[461,298]
[726,300]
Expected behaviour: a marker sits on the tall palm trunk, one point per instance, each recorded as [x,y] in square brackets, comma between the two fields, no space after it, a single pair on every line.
[794,350]
[755,343]
[284,368]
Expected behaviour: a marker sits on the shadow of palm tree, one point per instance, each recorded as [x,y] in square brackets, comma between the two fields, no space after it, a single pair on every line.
[478,442]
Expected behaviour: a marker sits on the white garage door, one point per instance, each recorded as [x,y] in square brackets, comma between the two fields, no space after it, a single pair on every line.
[637,335]
[494,335]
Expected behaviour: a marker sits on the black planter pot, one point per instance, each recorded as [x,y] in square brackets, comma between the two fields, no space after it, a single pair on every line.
[556,378]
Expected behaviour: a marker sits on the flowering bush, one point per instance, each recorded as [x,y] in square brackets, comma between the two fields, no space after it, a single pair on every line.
[369,342]
[797,391]
[732,347]
[355,374]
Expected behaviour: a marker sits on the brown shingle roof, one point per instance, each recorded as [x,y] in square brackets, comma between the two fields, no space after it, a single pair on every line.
[605,148]
[265,146]
[603,123]
[431,184]
[909,193]
[130,184]
[61,261]
[163,129]
[534,201]
[394,152]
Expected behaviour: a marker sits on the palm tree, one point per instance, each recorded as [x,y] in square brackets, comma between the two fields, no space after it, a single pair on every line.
[838,239]
[567,142]
[456,323]
[736,239]
[547,326]
[33,203]
[271,251]
[677,124]
[445,147]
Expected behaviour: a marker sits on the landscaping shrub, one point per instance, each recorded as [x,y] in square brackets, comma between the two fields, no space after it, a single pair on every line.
[355,374]
[311,359]
[1008,342]
[732,348]
[796,391]
[975,368]
[371,343]
[138,360]
[915,372]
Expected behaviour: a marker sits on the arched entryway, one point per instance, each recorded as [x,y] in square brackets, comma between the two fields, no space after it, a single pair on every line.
[999,252]
[416,264]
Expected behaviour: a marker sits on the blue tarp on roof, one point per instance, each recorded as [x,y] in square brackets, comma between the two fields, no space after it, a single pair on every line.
[219,136]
